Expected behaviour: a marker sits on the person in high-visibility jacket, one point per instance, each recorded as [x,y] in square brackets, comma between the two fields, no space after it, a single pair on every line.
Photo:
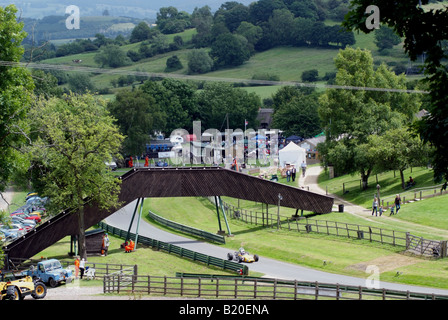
[76,267]
[129,247]
[146,161]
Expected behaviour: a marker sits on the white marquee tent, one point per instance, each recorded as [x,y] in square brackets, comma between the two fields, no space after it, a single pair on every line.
[292,154]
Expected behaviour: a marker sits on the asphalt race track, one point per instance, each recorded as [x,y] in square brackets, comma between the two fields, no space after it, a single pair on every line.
[269,267]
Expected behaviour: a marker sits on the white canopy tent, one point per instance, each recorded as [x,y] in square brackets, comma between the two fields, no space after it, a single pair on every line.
[292,154]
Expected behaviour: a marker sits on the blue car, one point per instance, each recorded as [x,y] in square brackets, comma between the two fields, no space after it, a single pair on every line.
[51,272]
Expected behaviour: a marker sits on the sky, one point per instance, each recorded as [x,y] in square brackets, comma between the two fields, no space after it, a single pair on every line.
[132,8]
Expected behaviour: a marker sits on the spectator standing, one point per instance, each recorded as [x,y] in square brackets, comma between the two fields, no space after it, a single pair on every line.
[293,173]
[397,202]
[77,267]
[375,206]
[82,266]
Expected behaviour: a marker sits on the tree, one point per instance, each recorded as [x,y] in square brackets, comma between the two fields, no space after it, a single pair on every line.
[298,116]
[350,117]
[177,99]
[170,20]
[386,38]
[45,84]
[138,116]
[217,100]
[229,50]
[261,10]
[173,63]
[74,137]
[199,61]
[16,87]
[251,32]
[141,32]
[423,31]
[398,149]
[279,27]
[310,75]
[305,9]
[80,83]
[202,20]
[233,13]
[112,56]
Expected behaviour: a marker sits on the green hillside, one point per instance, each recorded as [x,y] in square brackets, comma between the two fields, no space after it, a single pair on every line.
[287,63]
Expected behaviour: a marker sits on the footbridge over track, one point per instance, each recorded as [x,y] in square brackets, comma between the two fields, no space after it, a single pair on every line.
[169,182]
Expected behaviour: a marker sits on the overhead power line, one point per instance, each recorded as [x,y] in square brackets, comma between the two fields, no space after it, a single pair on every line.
[77,68]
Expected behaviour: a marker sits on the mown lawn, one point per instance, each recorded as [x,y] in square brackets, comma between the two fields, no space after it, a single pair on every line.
[327,253]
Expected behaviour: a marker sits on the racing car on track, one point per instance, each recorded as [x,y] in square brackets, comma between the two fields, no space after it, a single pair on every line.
[242,256]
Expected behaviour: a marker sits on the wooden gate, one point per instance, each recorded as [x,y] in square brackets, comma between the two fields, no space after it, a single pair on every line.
[425,247]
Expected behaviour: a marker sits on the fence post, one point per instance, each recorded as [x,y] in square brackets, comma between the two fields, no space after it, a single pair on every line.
[236,288]
[275,288]
[407,241]
[295,289]
[443,246]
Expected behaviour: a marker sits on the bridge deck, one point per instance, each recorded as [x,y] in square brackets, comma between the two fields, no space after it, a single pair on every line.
[170,182]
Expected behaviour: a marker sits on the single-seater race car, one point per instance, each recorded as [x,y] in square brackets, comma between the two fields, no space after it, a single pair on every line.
[242,256]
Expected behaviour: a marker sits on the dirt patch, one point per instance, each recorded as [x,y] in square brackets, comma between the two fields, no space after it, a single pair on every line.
[387,263]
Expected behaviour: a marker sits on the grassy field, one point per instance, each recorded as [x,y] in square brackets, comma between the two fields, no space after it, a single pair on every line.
[342,256]
[390,185]
[287,63]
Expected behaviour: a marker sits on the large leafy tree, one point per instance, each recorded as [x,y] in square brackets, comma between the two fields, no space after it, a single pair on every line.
[351,116]
[295,111]
[16,86]
[220,100]
[230,50]
[73,137]
[398,149]
[423,31]
[177,99]
[138,116]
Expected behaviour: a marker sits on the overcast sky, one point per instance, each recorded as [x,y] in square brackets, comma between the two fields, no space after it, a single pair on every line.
[133,8]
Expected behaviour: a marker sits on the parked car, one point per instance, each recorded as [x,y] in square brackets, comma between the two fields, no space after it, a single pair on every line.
[111,165]
[50,272]
[9,234]
[3,237]
[22,221]
[14,228]
[27,216]
[25,227]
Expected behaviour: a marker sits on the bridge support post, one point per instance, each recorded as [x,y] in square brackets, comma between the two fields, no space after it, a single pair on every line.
[138,223]
[217,213]
[132,220]
[225,217]
[218,203]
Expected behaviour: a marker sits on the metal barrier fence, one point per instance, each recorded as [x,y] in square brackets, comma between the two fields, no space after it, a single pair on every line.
[182,252]
[186,229]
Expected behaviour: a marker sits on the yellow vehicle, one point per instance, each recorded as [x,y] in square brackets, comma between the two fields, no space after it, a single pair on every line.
[17,287]
[242,256]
